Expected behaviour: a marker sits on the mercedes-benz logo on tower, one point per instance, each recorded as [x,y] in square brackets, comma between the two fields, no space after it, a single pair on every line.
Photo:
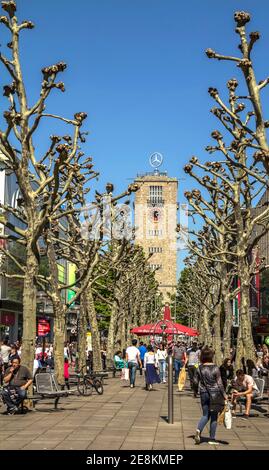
[156,159]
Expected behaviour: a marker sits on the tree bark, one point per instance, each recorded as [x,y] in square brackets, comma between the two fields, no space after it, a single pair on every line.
[59,338]
[96,349]
[228,324]
[29,308]
[112,331]
[206,336]
[216,343]
[82,332]
[245,344]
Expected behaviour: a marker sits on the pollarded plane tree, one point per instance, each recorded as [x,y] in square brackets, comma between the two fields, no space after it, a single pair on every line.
[255,129]
[141,289]
[69,194]
[132,287]
[214,244]
[219,267]
[85,245]
[232,186]
[34,172]
[195,296]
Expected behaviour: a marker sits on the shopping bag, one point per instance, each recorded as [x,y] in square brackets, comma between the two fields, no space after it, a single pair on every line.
[228,419]
[181,379]
[221,416]
[125,374]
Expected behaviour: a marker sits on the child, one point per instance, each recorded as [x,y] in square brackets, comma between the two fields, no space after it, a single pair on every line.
[66,373]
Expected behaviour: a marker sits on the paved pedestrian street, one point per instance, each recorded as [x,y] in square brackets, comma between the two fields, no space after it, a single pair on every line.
[124,419]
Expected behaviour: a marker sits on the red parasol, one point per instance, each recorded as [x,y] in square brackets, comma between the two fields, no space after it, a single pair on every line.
[166,326]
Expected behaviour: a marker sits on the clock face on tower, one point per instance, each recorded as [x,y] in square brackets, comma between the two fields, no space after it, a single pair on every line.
[155,215]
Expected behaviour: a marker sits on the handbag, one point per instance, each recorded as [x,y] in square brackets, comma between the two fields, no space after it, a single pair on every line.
[216,398]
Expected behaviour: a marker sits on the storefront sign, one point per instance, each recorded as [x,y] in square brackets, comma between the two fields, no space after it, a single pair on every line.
[43,327]
[7,318]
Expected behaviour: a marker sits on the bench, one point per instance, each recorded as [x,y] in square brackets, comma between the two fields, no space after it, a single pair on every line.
[113,368]
[46,388]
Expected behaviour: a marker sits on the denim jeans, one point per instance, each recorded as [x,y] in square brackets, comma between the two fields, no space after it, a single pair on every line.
[132,366]
[208,415]
[8,396]
[162,364]
[177,365]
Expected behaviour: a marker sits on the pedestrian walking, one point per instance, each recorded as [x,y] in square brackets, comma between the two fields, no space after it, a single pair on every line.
[179,354]
[66,373]
[161,358]
[133,361]
[142,349]
[150,365]
[193,356]
[212,394]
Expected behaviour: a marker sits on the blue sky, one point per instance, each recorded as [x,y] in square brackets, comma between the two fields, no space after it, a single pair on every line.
[138,68]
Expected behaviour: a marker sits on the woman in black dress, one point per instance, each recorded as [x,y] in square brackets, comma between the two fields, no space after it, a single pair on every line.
[212,394]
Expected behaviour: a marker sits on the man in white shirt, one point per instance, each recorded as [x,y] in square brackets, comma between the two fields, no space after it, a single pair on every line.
[133,359]
[245,386]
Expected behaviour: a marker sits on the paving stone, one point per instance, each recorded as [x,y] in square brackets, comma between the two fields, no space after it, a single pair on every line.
[137,420]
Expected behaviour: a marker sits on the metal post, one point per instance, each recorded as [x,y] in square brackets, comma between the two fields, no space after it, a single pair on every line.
[170,391]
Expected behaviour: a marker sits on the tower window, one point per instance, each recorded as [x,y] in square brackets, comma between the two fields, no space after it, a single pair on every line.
[156,194]
[155,249]
[155,233]
[153,267]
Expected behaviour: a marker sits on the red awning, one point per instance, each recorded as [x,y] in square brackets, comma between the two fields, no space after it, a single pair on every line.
[164,326]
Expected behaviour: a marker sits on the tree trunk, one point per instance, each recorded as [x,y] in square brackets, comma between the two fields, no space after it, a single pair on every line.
[142,316]
[246,349]
[123,335]
[245,345]
[206,336]
[228,324]
[96,349]
[59,338]
[82,332]
[216,343]
[29,308]
[112,331]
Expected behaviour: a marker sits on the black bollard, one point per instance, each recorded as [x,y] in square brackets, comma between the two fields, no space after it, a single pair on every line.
[170,391]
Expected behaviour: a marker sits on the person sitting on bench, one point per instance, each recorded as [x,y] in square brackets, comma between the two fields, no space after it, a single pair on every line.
[244,386]
[17,380]
[118,360]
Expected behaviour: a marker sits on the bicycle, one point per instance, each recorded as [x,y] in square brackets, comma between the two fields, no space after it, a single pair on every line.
[87,382]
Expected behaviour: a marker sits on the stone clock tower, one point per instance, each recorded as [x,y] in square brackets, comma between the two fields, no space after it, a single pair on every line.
[156,222]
